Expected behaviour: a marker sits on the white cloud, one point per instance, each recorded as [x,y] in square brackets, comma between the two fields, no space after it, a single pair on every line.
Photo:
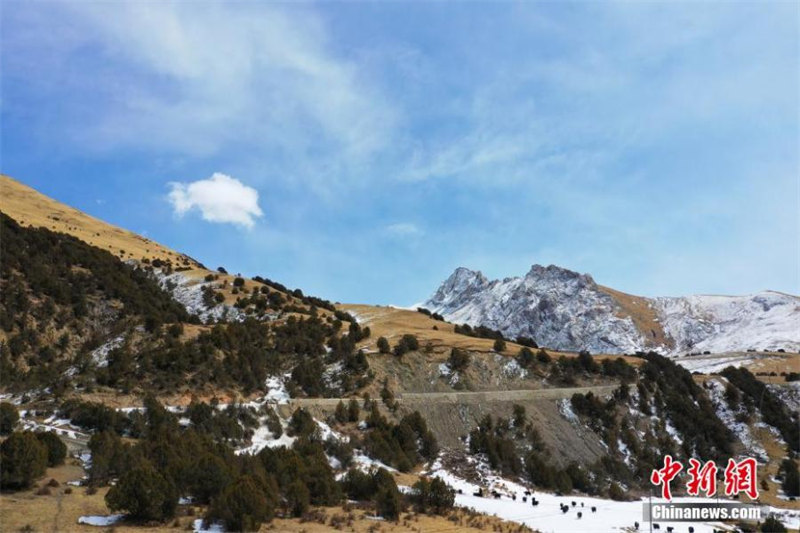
[202,79]
[404,229]
[219,198]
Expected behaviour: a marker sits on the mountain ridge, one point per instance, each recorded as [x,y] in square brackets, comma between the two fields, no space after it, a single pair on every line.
[567,310]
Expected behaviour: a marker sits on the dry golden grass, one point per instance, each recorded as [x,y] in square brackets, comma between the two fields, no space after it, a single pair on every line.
[359,520]
[643,315]
[393,323]
[776,454]
[31,208]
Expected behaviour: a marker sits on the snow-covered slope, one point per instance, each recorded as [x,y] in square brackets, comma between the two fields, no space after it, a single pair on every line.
[565,310]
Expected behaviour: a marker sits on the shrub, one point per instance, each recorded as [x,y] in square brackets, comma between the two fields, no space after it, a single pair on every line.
[458,360]
[23,459]
[383,345]
[525,357]
[144,494]
[238,282]
[542,356]
[791,478]
[773,525]
[8,418]
[615,492]
[434,495]
[407,343]
[527,342]
[56,449]
[499,345]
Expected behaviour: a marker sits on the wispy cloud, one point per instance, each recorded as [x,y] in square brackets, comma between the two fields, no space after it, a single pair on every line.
[404,229]
[203,78]
[220,198]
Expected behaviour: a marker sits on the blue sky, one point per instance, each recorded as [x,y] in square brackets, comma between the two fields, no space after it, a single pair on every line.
[362,151]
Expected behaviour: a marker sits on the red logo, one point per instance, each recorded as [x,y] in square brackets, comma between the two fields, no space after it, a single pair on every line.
[704,478]
[739,477]
[665,475]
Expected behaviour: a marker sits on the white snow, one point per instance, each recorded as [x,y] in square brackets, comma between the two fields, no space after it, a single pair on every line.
[765,320]
[100,354]
[672,430]
[198,527]
[574,313]
[716,392]
[565,408]
[101,521]
[188,291]
[263,438]
[547,517]
[510,367]
[276,391]
[366,464]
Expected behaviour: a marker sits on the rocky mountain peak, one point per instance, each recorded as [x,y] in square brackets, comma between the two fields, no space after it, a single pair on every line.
[556,274]
[566,310]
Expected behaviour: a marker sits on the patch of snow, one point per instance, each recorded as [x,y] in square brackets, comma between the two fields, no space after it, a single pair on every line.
[325,432]
[100,354]
[716,391]
[673,431]
[565,408]
[188,292]
[264,438]
[511,368]
[366,464]
[333,374]
[198,526]
[547,516]
[101,521]
[276,391]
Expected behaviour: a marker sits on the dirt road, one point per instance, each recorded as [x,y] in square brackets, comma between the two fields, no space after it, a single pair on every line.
[415,398]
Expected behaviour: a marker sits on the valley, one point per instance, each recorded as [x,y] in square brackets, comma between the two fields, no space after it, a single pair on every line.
[313,415]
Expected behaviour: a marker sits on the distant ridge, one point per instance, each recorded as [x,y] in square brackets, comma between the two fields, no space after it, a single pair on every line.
[566,310]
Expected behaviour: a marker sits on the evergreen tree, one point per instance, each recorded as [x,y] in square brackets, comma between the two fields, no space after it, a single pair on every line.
[244,505]
[791,478]
[208,477]
[341,413]
[144,494]
[458,360]
[525,357]
[387,498]
[433,495]
[353,410]
[23,460]
[8,418]
[499,345]
[297,498]
[56,449]
[772,525]
[383,345]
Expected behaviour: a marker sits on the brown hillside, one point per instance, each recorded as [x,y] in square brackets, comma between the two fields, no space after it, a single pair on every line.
[32,208]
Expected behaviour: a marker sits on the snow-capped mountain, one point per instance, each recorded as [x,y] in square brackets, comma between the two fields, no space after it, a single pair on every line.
[566,310]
